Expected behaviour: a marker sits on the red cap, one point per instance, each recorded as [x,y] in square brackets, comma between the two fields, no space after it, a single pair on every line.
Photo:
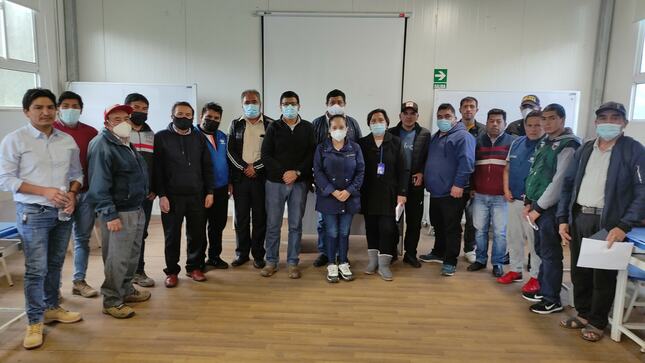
[116,107]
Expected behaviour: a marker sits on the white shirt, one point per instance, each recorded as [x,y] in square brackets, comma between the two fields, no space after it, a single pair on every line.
[592,187]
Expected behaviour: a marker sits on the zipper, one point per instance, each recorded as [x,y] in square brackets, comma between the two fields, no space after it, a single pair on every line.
[638,172]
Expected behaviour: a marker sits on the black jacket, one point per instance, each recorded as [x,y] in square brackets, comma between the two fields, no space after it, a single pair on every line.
[477,130]
[183,164]
[379,192]
[283,149]
[516,128]
[420,147]
[235,146]
[624,188]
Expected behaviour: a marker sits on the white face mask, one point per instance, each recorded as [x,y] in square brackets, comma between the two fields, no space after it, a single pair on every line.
[122,130]
[339,135]
[526,111]
[335,110]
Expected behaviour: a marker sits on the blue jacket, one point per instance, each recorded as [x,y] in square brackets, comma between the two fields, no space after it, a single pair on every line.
[342,169]
[218,157]
[118,176]
[624,188]
[451,161]
[520,158]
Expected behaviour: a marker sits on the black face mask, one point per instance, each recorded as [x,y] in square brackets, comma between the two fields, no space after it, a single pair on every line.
[182,123]
[138,118]
[210,125]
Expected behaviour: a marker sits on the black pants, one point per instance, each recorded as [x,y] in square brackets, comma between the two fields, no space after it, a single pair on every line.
[469,228]
[593,289]
[147,211]
[216,217]
[413,216]
[381,233]
[445,216]
[190,207]
[249,208]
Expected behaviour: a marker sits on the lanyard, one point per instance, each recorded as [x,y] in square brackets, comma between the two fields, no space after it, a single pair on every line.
[381,162]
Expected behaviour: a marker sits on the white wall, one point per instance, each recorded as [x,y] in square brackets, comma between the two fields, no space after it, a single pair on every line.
[486,45]
[622,60]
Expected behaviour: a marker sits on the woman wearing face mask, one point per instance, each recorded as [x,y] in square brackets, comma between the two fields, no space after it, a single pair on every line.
[338,174]
[384,187]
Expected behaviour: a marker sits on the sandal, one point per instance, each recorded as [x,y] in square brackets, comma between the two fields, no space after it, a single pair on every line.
[572,323]
[592,334]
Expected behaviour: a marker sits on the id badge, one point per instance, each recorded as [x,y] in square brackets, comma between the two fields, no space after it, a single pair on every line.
[380,169]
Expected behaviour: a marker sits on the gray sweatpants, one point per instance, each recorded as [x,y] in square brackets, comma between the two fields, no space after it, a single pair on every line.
[518,231]
[120,256]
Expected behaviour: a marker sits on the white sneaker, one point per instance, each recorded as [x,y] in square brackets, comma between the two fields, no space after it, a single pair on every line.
[332,273]
[471,257]
[345,272]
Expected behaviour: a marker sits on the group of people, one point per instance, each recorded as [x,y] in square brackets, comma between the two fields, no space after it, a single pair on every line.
[532,182]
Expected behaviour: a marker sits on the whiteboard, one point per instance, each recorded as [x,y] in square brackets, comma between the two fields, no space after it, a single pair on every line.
[99,95]
[509,101]
[311,56]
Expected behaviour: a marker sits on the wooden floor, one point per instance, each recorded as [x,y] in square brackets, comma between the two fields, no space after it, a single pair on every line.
[239,316]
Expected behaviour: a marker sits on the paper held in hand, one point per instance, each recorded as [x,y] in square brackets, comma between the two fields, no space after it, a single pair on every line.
[595,254]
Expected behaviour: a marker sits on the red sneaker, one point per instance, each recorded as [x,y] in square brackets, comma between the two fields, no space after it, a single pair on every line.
[197,275]
[510,277]
[532,286]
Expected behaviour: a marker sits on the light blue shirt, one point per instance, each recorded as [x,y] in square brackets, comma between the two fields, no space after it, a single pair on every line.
[28,156]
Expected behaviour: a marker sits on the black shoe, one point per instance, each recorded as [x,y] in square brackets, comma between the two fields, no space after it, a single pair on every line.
[498,270]
[239,261]
[532,297]
[507,259]
[259,263]
[476,266]
[412,261]
[218,264]
[321,261]
[545,307]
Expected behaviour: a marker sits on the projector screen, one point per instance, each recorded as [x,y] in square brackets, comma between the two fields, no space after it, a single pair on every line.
[361,56]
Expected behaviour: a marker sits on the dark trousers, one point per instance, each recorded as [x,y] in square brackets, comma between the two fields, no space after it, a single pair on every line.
[593,289]
[147,211]
[381,233]
[216,217]
[413,216]
[445,216]
[469,228]
[190,207]
[548,245]
[250,209]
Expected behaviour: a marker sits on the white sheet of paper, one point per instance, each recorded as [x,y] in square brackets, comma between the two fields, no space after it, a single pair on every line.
[594,254]
[399,210]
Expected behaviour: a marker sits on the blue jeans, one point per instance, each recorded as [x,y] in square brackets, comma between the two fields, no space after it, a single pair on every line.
[548,246]
[45,240]
[489,209]
[295,195]
[337,228]
[321,234]
[83,225]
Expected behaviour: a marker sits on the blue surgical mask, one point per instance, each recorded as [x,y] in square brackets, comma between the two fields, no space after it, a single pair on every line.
[608,132]
[251,110]
[444,125]
[378,129]
[290,112]
[69,116]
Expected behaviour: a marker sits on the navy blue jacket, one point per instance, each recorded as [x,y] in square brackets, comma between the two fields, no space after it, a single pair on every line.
[624,189]
[118,176]
[342,169]
[451,161]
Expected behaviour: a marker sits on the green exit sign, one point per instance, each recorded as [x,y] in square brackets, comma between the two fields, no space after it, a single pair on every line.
[440,77]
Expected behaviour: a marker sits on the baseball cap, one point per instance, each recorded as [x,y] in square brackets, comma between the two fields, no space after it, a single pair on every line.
[530,100]
[409,104]
[116,107]
[613,106]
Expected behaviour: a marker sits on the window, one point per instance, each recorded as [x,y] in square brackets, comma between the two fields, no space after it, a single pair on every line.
[18,56]
[638,92]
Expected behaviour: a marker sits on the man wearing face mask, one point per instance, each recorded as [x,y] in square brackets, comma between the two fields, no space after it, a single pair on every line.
[118,185]
[142,137]
[248,177]
[603,195]
[184,183]
[415,140]
[287,153]
[336,102]
[529,103]
[70,107]
[217,214]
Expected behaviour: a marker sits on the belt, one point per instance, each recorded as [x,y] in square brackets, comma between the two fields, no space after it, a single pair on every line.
[590,210]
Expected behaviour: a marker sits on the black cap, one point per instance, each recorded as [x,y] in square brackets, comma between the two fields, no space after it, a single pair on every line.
[530,100]
[410,104]
[612,106]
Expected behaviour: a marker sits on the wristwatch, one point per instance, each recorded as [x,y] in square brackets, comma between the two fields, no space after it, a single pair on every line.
[298,172]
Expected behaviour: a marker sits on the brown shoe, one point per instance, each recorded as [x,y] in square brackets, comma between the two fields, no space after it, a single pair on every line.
[197,275]
[294,272]
[34,336]
[62,316]
[138,296]
[171,280]
[268,270]
[83,289]
[122,311]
